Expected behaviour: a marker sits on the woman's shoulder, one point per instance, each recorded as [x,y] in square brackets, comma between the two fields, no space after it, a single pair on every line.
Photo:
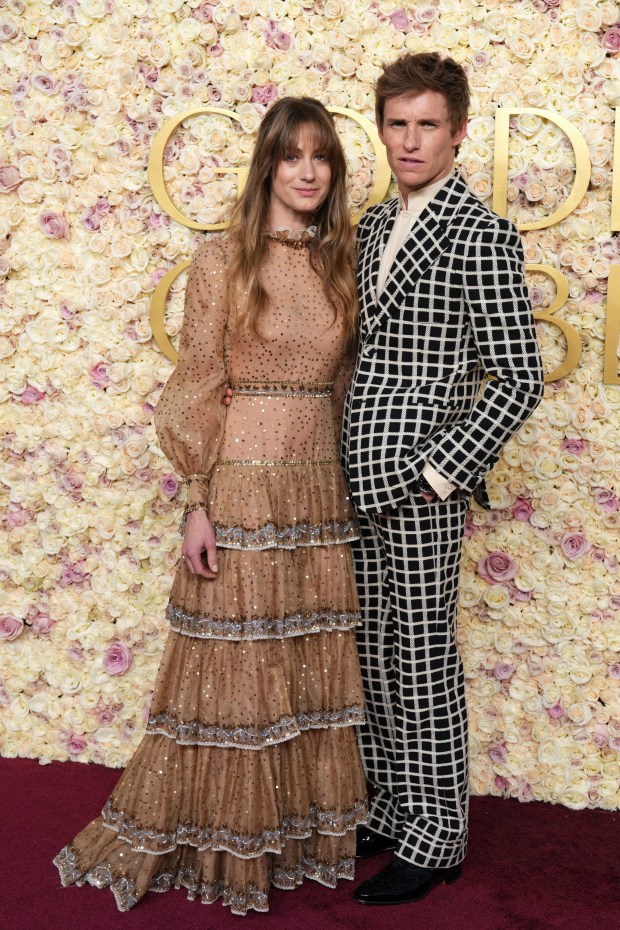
[216,251]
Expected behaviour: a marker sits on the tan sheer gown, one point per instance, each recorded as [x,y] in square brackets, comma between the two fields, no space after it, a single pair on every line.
[249,773]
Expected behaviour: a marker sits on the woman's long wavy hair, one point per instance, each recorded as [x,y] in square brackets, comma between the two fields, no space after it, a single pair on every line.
[331,249]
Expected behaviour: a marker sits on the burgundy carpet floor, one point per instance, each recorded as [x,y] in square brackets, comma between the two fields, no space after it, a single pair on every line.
[530,867]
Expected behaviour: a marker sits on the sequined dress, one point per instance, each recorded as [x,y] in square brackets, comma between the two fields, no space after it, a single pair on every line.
[249,774]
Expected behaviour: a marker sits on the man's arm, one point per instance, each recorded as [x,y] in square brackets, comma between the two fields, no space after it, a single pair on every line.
[501,318]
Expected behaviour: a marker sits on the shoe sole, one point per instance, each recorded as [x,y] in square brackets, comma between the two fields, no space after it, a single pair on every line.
[449,880]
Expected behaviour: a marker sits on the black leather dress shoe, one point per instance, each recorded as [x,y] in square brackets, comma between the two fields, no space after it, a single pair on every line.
[369,843]
[401,882]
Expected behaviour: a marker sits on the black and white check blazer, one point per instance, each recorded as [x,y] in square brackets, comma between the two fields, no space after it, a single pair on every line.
[454,309]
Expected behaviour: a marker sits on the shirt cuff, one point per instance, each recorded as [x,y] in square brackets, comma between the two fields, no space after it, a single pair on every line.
[441,485]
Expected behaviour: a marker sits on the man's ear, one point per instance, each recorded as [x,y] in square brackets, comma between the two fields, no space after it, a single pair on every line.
[460,134]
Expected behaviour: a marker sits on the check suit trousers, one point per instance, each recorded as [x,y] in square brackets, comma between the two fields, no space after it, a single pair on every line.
[414,742]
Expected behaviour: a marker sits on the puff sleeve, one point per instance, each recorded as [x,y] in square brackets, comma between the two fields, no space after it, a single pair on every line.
[190,415]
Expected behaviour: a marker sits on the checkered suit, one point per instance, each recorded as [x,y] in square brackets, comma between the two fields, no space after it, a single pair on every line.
[454,309]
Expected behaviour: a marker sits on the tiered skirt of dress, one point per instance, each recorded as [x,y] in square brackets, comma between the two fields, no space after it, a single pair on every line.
[249,774]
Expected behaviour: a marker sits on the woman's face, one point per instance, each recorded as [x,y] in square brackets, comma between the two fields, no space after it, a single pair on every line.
[300,183]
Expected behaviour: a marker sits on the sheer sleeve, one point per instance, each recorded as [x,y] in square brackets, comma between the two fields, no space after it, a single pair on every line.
[341,386]
[190,415]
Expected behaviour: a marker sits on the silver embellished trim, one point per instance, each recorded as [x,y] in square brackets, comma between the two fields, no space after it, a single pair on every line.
[251,898]
[196,733]
[262,628]
[275,462]
[288,537]
[100,876]
[326,823]
[249,392]
[328,875]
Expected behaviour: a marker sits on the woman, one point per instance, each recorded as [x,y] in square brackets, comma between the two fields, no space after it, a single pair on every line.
[249,773]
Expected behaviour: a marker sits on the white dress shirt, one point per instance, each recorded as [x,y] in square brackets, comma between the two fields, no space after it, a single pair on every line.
[416,202]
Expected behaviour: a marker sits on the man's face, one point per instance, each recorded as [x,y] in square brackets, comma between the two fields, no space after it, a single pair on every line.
[419,139]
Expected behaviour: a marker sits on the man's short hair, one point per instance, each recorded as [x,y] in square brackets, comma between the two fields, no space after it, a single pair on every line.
[413,74]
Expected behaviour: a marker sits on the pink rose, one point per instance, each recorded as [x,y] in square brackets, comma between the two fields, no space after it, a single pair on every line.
[31,395]
[480,59]
[59,153]
[426,15]
[611,39]
[501,783]
[556,711]
[53,224]
[17,515]
[600,736]
[614,670]
[503,671]
[73,574]
[498,754]
[8,31]
[283,41]
[496,567]
[614,743]
[9,178]
[400,20]
[76,744]
[574,446]
[42,623]
[72,481]
[99,375]
[10,627]
[524,792]
[606,499]
[522,510]
[104,716]
[157,275]
[90,220]
[169,485]
[265,94]
[44,82]
[574,545]
[117,659]
[204,13]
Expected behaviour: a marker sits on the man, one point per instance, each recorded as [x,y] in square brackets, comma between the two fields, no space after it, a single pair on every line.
[442,304]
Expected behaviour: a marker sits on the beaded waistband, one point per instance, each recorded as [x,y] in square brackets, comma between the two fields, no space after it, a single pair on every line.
[246,387]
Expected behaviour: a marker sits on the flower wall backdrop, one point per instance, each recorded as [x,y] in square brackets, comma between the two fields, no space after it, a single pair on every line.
[90,508]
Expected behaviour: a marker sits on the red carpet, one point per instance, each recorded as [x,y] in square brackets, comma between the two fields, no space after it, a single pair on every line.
[530,867]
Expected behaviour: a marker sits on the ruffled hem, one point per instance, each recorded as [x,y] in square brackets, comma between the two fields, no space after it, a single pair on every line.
[252,898]
[292,827]
[196,733]
[261,628]
[284,505]
[268,594]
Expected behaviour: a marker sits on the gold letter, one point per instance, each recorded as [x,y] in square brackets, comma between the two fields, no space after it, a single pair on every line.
[573,342]
[157,310]
[500,175]
[612,327]
[156,168]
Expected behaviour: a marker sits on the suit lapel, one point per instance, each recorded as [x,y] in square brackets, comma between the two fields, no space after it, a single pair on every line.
[422,247]
[378,237]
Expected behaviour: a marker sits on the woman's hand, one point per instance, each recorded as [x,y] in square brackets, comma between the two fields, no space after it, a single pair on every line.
[199,537]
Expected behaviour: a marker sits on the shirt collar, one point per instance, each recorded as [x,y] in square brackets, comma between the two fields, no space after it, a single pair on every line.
[418,200]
